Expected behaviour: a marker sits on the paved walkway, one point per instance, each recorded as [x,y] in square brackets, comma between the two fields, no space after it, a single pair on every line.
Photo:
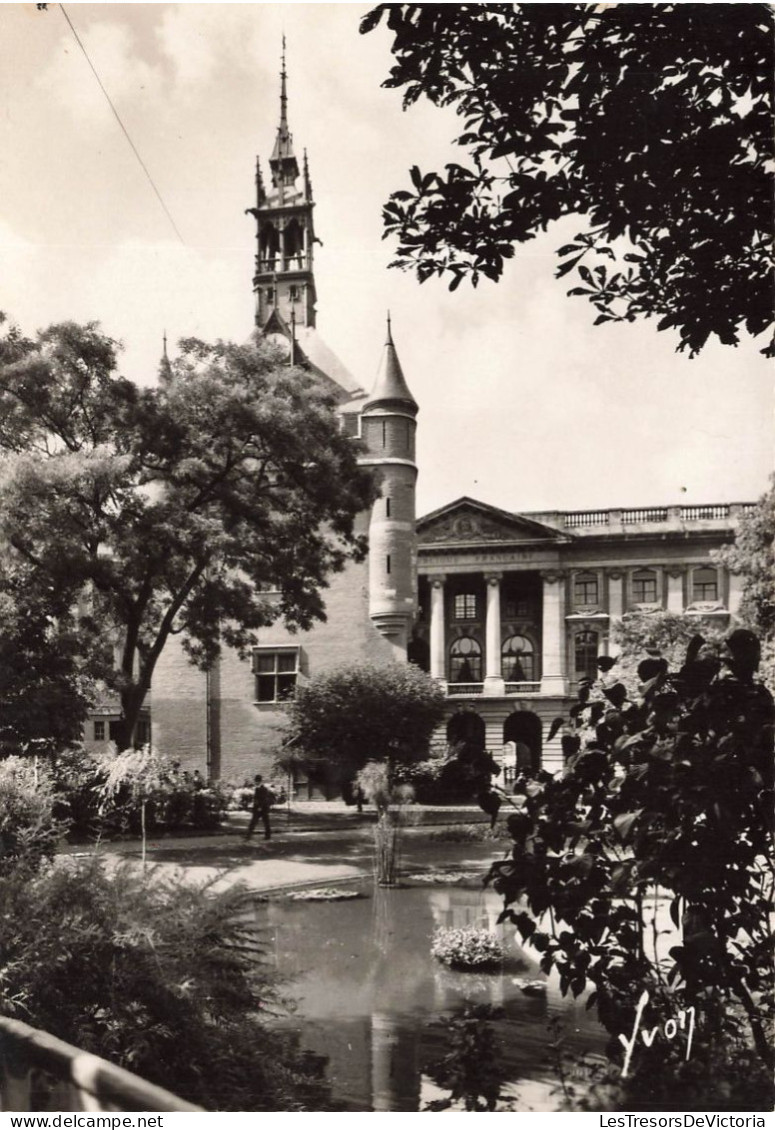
[336,851]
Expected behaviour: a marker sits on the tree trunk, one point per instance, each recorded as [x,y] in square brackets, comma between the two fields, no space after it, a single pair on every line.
[132,699]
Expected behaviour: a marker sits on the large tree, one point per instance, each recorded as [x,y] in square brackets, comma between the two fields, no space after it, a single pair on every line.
[651,123]
[348,716]
[50,666]
[752,556]
[173,509]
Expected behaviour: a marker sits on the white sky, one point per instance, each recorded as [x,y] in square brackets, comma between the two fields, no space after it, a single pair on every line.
[524,404]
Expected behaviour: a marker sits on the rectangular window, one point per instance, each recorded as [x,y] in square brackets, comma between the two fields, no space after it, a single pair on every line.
[465,606]
[99,731]
[276,670]
[644,588]
[387,507]
[704,585]
[387,564]
[516,609]
[113,726]
[585,651]
[585,589]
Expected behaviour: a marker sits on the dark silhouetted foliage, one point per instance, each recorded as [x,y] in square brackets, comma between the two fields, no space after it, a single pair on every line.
[652,123]
[665,803]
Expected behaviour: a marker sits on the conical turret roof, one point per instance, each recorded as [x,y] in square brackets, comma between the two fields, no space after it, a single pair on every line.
[390,387]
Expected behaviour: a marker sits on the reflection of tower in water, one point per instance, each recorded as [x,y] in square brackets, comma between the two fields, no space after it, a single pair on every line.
[377,1005]
[395,1066]
[399,1047]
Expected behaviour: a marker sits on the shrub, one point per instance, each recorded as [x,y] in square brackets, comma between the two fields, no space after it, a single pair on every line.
[164,978]
[467,947]
[667,794]
[29,831]
[175,803]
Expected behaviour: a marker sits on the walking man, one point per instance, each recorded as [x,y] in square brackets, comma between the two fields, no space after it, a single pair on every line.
[263,799]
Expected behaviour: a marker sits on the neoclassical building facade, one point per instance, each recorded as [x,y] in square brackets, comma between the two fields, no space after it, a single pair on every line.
[513,609]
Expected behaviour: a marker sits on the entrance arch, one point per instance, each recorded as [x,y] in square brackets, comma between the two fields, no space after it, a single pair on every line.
[466,728]
[524,729]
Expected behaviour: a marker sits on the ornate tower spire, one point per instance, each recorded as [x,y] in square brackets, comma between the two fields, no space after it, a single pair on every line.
[283,163]
[283,91]
[165,369]
[284,283]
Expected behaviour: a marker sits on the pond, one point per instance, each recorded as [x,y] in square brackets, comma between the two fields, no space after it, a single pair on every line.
[373,1001]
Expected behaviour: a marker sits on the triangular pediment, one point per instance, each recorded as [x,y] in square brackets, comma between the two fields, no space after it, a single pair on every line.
[468,522]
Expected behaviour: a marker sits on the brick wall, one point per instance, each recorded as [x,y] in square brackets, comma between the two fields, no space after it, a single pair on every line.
[244,735]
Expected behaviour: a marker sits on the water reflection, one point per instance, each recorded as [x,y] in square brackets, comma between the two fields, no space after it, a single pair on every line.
[373,1000]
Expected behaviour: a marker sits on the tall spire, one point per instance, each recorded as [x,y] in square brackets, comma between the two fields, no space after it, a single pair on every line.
[283,92]
[285,167]
[165,369]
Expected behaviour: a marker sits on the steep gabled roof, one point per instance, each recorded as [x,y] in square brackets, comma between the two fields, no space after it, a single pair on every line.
[312,352]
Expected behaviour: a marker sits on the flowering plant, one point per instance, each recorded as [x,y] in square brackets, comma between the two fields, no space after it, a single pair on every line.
[467,947]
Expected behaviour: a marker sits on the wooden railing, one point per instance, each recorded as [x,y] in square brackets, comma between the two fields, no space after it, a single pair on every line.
[39,1072]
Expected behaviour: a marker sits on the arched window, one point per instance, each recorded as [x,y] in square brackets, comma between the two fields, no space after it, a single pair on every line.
[585,589]
[293,240]
[517,660]
[705,584]
[524,729]
[644,586]
[269,243]
[585,648]
[465,661]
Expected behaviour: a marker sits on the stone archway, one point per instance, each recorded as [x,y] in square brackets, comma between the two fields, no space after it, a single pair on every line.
[466,728]
[524,729]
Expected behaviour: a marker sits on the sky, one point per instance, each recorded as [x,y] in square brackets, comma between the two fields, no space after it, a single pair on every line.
[523,403]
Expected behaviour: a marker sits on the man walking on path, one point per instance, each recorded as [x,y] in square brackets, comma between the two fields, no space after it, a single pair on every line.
[263,799]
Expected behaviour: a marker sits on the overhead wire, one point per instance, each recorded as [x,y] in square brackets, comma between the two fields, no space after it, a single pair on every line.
[124,130]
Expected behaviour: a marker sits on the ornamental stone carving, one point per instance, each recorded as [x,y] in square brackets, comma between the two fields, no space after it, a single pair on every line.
[472,527]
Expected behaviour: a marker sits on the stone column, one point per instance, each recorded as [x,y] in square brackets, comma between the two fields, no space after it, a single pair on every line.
[675,589]
[493,678]
[553,680]
[438,641]
[615,595]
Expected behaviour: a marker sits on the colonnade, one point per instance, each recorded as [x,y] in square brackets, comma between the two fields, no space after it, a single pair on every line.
[553,661]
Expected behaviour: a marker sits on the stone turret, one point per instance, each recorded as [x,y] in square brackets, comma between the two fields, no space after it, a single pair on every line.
[388,427]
